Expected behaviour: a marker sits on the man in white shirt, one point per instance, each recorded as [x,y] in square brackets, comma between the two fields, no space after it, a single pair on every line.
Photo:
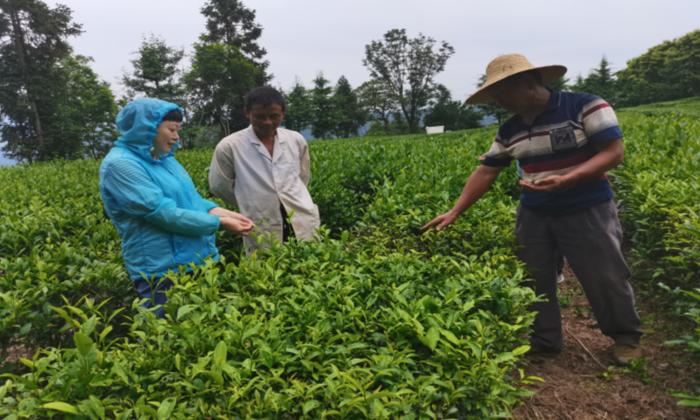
[264,170]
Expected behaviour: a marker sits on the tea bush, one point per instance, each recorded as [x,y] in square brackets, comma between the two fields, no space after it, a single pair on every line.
[371,321]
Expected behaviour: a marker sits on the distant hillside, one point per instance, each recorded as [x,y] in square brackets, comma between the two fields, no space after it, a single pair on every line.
[687,106]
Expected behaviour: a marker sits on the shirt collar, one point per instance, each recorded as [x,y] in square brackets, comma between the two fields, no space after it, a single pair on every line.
[255,140]
[554,100]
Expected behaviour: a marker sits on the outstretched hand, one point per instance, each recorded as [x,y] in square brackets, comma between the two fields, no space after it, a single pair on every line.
[440,222]
[232,221]
[240,225]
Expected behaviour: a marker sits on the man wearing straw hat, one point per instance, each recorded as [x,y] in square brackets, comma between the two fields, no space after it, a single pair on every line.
[565,143]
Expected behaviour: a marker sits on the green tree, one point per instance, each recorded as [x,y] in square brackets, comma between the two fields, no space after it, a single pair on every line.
[323,113]
[84,123]
[665,72]
[32,42]
[298,115]
[217,82]
[376,101]
[349,115]
[227,63]
[452,114]
[156,72]
[600,81]
[407,67]
[231,23]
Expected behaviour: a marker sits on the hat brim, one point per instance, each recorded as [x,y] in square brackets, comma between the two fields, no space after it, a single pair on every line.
[548,73]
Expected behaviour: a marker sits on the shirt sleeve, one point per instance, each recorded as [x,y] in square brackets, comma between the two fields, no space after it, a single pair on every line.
[305,162]
[497,156]
[207,204]
[222,174]
[137,195]
[599,121]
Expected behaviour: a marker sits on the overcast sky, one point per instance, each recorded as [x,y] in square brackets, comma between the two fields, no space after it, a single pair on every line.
[303,37]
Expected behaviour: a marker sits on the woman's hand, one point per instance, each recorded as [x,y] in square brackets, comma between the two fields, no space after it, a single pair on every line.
[222,212]
[240,225]
[232,221]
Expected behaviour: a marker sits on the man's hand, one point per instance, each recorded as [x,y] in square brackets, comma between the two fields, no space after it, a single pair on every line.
[477,184]
[550,183]
[440,222]
[608,157]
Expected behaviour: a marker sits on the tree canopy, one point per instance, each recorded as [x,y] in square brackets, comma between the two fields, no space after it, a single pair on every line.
[670,70]
[407,67]
[156,73]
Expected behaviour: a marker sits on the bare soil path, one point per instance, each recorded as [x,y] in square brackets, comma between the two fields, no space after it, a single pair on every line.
[582,382]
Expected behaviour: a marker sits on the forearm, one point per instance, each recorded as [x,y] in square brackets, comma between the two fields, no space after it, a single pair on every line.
[222,212]
[208,205]
[476,186]
[605,160]
[182,221]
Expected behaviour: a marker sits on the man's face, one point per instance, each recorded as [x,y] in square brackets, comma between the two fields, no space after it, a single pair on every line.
[265,119]
[513,93]
[166,137]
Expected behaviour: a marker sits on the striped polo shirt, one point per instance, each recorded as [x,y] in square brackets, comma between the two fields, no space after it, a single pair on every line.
[571,130]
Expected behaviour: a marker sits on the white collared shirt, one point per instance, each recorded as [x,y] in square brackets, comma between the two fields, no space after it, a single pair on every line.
[243,174]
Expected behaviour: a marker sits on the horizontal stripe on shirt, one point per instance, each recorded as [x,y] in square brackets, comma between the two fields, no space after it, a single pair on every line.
[555,162]
[570,131]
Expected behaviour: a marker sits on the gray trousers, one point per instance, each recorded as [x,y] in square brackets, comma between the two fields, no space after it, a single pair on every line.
[591,241]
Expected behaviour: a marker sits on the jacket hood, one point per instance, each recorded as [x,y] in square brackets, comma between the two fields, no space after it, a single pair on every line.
[138,123]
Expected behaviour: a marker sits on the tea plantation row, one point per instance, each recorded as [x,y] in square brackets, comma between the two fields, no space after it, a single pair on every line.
[373,320]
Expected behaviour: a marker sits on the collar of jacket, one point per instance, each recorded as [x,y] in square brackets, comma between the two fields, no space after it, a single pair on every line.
[260,147]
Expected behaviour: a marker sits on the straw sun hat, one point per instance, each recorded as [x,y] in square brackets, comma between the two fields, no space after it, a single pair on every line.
[508,65]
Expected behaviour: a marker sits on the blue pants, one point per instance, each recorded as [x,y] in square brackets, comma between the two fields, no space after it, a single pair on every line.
[154,293]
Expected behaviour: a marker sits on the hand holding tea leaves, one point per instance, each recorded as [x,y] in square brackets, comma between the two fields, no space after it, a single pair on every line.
[550,183]
[232,221]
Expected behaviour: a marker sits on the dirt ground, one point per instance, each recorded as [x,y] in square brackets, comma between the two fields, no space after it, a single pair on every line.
[582,382]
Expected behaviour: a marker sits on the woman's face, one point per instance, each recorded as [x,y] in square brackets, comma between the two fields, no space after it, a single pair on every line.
[166,137]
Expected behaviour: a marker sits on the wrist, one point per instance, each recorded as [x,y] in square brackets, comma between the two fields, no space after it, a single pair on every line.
[568,180]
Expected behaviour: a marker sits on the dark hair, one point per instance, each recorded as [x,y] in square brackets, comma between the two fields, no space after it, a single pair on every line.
[265,96]
[174,115]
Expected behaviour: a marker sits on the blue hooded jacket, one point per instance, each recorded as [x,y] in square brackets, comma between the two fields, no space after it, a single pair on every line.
[160,216]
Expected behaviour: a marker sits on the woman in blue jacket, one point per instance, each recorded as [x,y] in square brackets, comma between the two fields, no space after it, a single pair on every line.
[161,218]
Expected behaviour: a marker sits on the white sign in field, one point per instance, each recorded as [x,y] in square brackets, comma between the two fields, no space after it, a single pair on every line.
[435,129]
